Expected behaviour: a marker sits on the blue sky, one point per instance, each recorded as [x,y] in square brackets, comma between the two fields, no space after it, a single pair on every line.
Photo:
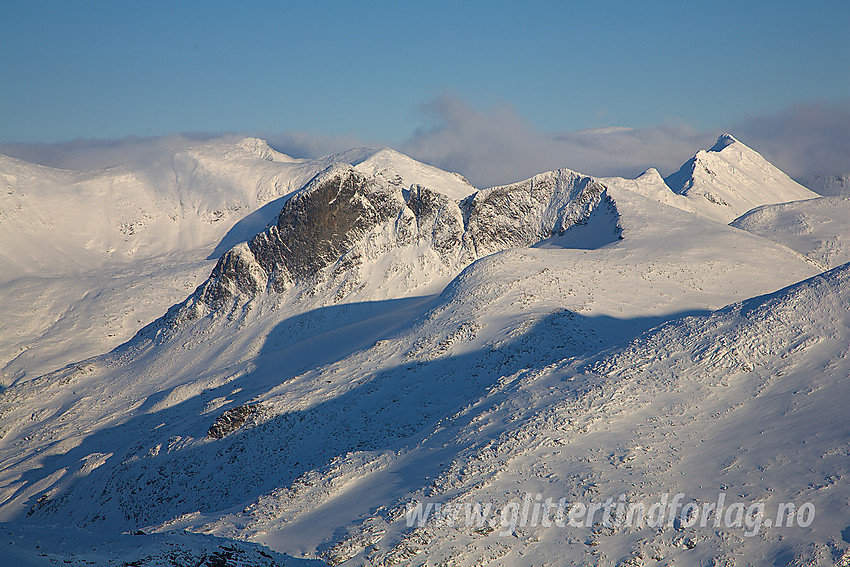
[381,72]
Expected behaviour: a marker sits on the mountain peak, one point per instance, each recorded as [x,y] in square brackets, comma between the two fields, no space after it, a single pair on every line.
[651,173]
[261,149]
[724,184]
[405,171]
[723,141]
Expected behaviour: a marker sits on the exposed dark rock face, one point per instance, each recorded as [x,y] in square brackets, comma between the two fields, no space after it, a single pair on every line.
[329,222]
[231,420]
[525,213]
[320,224]
[438,218]
[236,273]
[314,229]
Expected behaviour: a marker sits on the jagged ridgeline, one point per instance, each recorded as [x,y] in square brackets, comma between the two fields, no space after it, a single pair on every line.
[344,219]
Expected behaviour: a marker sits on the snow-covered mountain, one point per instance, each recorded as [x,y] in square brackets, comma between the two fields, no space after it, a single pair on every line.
[403,171]
[729,179]
[87,258]
[389,335]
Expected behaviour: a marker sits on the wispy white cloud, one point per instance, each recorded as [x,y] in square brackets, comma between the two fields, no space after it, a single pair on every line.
[497,146]
[804,139]
[306,144]
[86,154]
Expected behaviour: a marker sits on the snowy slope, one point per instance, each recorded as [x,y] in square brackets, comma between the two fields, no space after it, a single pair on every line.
[817,228]
[49,321]
[54,221]
[295,391]
[650,184]
[88,257]
[744,402]
[404,171]
[729,179]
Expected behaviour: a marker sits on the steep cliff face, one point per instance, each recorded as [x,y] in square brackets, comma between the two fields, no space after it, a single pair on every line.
[345,223]
[439,221]
[323,222]
[237,273]
[524,213]
[321,225]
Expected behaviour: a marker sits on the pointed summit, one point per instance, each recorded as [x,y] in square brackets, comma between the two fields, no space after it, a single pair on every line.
[723,141]
[729,179]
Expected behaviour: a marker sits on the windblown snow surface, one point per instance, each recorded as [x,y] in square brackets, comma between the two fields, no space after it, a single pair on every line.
[391,342]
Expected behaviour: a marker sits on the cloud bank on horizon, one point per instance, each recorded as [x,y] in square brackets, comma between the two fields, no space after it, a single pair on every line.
[497,146]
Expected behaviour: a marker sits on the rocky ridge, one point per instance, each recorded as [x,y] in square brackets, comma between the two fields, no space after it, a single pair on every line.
[344,220]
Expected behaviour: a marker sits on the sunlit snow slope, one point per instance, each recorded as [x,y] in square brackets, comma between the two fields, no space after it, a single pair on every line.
[747,402]
[729,179]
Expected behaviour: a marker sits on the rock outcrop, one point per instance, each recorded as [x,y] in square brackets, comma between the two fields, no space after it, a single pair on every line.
[343,221]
